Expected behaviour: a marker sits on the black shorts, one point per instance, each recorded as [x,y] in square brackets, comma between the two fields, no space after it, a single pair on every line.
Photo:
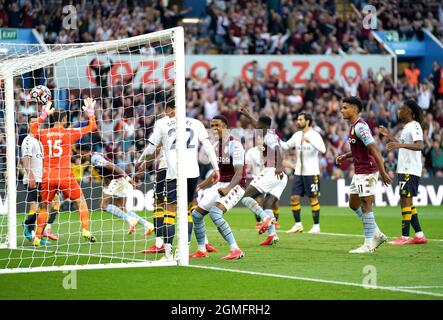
[306,186]
[171,190]
[408,185]
[33,195]
[160,184]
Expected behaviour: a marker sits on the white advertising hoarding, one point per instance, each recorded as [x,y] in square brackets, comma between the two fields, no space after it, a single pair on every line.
[158,70]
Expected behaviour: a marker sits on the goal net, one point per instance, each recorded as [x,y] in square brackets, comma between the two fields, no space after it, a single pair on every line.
[111,223]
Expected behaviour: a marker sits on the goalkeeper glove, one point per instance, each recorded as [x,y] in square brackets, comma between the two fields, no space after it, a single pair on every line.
[89,106]
[47,110]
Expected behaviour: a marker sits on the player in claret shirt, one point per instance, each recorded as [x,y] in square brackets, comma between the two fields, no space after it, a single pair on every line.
[57,144]
[270,182]
[368,162]
[222,196]
[409,168]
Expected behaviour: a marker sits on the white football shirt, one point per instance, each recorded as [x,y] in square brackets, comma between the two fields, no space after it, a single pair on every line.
[409,161]
[31,147]
[307,162]
[254,159]
[164,134]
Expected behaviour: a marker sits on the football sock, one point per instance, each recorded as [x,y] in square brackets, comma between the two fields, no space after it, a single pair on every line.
[116,211]
[359,213]
[276,213]
[56,206]
[296,208]
[159,242]
[254,207]
[168,250]
[271,228]
[140,220]
[190,224]
[84,215]
[158,222]
[169,227]
[414,221]
[369,225]
[30,220]
[41,222]
[406,214]
[315,206]
[223,227]
[52,217]
[199,229]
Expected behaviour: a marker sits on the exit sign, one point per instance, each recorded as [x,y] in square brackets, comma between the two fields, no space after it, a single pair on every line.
[8,34]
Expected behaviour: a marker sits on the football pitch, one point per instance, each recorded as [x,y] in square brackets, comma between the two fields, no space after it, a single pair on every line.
[301,266]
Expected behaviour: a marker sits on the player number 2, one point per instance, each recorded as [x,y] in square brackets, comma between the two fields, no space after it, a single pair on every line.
[55,150]
[188,144]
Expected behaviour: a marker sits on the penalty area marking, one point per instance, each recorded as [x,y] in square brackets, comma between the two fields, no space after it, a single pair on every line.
[356,235]
[343,283]
[350,235]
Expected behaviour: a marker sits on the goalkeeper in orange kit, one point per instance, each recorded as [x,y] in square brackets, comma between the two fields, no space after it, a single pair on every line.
[57,144]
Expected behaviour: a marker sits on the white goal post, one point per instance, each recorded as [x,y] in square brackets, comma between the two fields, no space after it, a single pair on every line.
[162,55]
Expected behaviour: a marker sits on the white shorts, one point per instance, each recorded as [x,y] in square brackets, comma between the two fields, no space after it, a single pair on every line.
[268,183]
[364,184]
[211,197]
[119,188]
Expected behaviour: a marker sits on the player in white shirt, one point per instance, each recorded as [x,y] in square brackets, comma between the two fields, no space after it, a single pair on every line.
[164,135]
[308,143]
[409,168]
[255,164]
[32,153]
[271,181]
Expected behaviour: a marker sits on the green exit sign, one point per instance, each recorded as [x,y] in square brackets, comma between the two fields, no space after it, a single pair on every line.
[8,34]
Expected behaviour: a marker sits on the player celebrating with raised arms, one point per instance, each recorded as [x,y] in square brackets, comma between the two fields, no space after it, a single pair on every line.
[57,143]
[224,195]
[409,168]
[368,162]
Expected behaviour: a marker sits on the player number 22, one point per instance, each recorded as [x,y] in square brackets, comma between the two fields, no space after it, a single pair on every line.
[55,150]
[188,144]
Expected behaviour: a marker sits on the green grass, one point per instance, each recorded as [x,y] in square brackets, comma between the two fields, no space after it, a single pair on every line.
[322,257]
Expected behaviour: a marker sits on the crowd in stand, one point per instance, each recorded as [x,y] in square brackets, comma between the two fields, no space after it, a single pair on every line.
[127,114]
[229,27]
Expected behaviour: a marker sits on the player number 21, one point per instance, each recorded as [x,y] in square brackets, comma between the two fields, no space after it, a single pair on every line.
[55,150]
